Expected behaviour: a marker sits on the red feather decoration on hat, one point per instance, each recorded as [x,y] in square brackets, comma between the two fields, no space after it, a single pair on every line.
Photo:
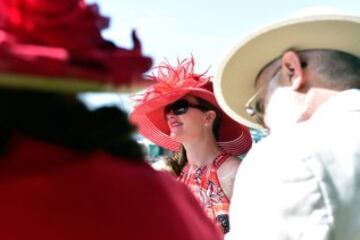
[170,78]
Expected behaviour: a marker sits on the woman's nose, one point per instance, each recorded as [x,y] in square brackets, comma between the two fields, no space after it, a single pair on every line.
[170,115]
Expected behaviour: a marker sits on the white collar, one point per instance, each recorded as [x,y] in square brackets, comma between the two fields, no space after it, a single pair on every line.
[344,101]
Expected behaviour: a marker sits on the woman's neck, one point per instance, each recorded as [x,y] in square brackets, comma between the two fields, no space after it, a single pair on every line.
[202,151]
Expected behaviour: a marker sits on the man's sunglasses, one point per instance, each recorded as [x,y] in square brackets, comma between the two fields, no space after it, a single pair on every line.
[182,106]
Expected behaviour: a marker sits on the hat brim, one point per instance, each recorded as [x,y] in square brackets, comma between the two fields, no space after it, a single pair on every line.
[62,84]
[234,138]
[234,83]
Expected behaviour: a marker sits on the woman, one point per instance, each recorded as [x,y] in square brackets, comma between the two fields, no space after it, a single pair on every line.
[180,113]
[68,171]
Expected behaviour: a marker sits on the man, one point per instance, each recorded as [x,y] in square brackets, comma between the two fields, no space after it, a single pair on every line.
[68,172]
[300,80]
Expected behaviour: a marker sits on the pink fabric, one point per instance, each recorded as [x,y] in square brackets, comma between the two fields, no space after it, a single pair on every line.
[48,192]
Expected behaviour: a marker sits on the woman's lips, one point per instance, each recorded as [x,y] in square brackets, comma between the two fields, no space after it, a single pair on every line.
[175,124]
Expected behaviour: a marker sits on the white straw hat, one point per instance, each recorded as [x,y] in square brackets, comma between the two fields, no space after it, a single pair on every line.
[234,83]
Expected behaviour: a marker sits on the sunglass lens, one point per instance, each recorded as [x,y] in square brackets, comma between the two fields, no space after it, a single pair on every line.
[178,108]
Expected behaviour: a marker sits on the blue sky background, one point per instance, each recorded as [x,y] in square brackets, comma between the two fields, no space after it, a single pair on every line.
[207,29]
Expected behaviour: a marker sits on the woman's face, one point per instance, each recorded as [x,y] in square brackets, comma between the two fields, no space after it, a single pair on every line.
[186,120]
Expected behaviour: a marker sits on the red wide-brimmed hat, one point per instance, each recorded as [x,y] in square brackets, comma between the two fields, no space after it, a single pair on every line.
[57,46]
[172,84]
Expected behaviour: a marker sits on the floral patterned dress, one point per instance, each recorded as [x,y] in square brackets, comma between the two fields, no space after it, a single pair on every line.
[205,185]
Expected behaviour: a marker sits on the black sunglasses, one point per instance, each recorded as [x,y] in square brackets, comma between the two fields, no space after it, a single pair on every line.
[182,106]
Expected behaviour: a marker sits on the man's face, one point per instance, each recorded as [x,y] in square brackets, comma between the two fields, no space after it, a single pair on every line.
[264,87]
[277,102]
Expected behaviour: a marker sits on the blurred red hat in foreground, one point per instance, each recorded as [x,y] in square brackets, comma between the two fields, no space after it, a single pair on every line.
[57,46]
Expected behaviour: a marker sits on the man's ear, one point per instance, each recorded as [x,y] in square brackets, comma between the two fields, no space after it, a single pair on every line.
[292,69]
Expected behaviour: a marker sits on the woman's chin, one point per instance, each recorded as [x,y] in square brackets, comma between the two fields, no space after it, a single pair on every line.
[176,135]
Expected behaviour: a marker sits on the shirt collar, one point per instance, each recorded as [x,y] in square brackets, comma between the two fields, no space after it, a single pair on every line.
[345,101]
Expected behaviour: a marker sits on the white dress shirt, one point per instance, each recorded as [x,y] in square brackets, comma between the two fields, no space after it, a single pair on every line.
[303,183]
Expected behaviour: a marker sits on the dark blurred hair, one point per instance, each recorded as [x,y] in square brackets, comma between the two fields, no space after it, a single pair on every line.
[179,160]
[65,120]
